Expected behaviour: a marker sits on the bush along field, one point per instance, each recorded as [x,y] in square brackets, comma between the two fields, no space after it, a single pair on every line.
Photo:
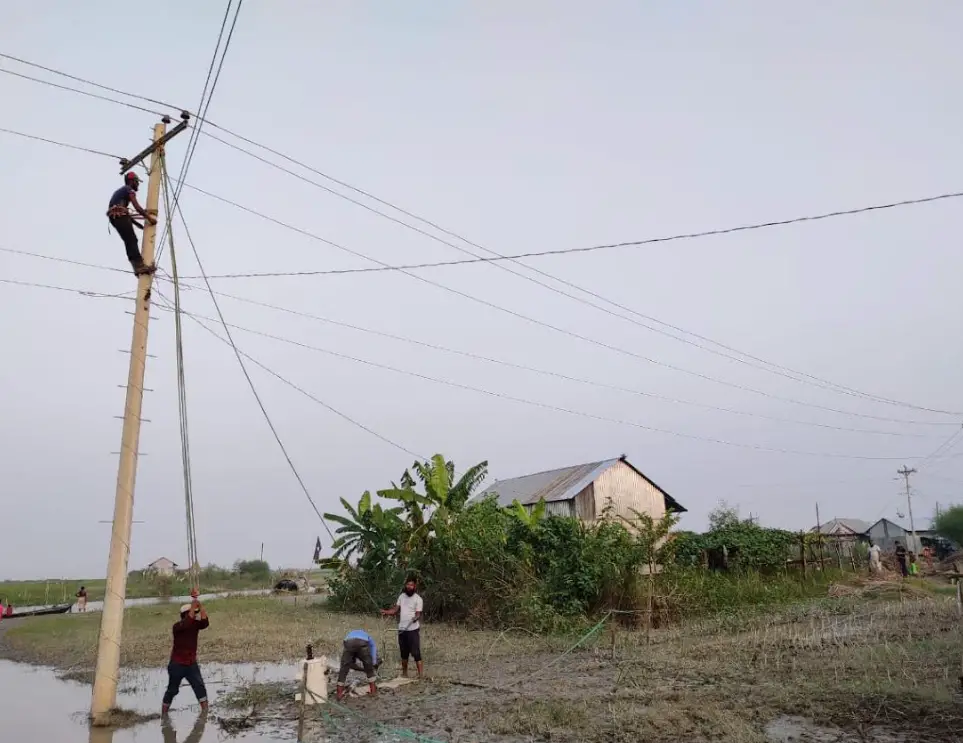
[493,567]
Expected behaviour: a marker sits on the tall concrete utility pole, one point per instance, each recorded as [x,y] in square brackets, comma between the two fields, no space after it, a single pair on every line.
[906,472]
[104,696]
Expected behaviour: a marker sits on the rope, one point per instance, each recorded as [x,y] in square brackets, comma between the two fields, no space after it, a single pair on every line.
[181,393]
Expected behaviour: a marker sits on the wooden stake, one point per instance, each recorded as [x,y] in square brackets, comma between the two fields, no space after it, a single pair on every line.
[304,694]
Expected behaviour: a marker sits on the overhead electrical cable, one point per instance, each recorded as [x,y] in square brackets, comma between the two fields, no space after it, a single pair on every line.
[767,365]
[86,93]
[240,358]
[537,370]
[205,101]
[749,359]
[82,292]
[518,315]
[192,558]
[59,144]
[545,406]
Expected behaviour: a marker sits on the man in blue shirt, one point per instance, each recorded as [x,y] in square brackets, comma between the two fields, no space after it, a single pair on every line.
[120,220]
[359,647]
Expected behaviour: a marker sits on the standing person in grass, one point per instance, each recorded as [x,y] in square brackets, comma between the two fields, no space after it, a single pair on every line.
[183,663]
[408,609]
[82,599]
[901,558]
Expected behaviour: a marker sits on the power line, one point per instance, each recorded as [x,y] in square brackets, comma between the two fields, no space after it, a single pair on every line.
[519,315]
[768,366]
[240,358]
[535,403]
[82,292]
[567,251]
[771,367]
[580,380]
[88,82]
[203,106]
[63,260]
[82,92]
[536,370]
[59,144]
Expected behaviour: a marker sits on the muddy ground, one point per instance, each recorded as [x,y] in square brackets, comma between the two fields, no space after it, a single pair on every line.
[855,668]
[841,670]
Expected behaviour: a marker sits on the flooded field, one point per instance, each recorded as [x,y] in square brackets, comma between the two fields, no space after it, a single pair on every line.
[38,705]
[841,671]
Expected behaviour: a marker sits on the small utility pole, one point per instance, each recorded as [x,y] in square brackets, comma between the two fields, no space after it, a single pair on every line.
[906,472]
[262,551]
[104,696]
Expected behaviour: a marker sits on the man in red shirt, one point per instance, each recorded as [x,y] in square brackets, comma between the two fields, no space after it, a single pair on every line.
[183,663]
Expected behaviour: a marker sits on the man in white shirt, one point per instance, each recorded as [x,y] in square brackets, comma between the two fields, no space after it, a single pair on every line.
[875,564]
[408,609]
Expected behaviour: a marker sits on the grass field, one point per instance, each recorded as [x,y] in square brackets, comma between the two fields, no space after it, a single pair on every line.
[874,663]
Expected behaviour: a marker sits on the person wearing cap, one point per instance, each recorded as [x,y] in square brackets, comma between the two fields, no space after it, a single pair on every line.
[183,662]
[121,220]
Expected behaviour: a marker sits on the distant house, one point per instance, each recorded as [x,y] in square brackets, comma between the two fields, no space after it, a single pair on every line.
[587,491]
[853,528]
[883,532]
[162,566]
[844,533]
[887,533]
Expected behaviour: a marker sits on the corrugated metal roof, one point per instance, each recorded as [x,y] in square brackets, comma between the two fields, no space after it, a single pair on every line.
[559,485]
[553,485]
[856,526]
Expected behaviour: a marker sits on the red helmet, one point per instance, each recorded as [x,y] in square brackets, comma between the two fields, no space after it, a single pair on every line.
[132,180]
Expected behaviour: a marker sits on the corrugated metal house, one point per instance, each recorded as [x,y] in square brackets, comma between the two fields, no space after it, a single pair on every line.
[845,534]
[584,491]
[887,533]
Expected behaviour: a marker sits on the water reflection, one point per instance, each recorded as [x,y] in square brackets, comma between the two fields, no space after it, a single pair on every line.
[195,736]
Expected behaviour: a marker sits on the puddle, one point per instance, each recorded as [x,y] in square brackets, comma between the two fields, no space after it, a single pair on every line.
[37,705]
[801,730]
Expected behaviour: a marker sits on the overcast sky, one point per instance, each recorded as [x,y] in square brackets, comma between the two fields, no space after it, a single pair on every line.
[522,127]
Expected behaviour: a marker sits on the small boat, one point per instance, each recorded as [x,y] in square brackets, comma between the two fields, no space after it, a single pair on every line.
[42,611]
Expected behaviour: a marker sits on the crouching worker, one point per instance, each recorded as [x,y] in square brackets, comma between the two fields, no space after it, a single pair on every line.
[121,221]
[183,663]
[359,647]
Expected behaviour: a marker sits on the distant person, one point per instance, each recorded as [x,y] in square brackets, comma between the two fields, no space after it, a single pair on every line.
[121,220]
[358,647]
[183,662]
[901,559]
[914,568]
[408,608]
[8,612]
[875,560]
[82,599]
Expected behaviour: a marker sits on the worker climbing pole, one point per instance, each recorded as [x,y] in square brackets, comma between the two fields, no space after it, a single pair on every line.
[104,695]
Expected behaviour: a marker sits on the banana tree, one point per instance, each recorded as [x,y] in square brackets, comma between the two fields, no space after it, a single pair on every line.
[368,531]
[527,517]
[443,496]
